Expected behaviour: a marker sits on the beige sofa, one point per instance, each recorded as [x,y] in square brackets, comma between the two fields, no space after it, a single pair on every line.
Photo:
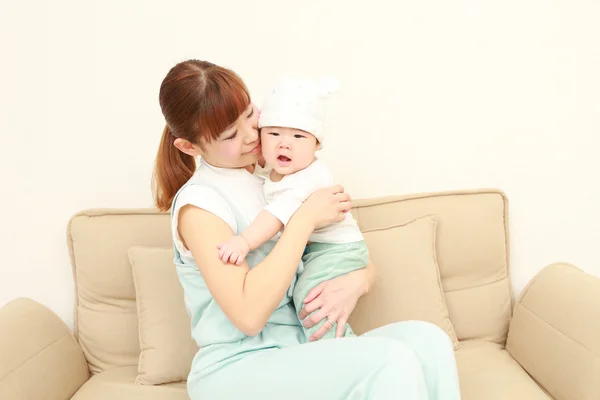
[544,346]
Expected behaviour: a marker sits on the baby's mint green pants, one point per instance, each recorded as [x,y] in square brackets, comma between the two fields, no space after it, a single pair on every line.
[322,262]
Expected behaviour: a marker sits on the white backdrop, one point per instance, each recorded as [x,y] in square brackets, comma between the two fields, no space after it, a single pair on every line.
[435,95]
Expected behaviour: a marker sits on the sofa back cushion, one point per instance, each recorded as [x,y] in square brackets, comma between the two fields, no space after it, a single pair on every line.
[471,245]
[472,253]
[105,321]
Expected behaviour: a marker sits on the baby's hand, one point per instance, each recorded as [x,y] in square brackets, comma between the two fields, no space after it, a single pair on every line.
[234,250]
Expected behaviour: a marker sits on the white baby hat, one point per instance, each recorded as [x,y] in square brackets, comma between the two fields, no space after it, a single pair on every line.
[299,104]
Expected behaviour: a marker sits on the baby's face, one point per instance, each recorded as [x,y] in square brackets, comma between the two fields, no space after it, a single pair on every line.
[287,150]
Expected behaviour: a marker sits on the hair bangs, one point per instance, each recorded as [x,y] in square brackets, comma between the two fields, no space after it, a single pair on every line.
[225,99]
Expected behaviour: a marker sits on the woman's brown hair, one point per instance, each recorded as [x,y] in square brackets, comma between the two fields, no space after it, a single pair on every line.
[198,100]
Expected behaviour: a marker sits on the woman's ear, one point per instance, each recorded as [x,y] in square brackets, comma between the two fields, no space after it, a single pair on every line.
[187,147]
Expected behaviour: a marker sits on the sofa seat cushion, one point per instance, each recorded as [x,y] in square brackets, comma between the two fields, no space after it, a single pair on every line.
[488,372]
[118,384]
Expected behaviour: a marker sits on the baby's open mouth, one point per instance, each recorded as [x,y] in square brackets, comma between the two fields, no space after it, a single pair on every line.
[284,158]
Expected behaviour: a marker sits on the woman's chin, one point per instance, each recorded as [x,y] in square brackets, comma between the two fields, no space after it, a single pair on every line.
[249,159]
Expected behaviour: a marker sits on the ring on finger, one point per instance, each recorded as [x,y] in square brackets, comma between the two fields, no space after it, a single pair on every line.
[328,320]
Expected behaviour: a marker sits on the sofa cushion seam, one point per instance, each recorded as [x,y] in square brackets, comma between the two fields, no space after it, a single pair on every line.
[33,356]
[558,330]
[504,278]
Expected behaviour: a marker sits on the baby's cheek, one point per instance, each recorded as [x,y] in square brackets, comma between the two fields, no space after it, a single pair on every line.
[268,152]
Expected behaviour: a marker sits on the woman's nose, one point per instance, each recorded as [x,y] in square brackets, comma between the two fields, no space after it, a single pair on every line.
[251,134]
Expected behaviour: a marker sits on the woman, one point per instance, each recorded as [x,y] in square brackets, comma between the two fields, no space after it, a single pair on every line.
[242,317]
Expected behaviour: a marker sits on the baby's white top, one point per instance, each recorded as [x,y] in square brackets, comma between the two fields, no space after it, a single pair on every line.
[285,197]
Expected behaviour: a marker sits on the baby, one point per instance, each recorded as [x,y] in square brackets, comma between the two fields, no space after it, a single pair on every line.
[291,129]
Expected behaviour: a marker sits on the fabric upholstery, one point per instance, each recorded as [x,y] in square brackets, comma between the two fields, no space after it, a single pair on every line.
[553,336]
[471,244]
[118,384]
[472,253]
[166,345]
[407,285]
[487,372]
[555,332]
[106,321]
[39,357]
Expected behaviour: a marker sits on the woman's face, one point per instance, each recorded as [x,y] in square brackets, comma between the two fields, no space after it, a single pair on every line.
[238,146]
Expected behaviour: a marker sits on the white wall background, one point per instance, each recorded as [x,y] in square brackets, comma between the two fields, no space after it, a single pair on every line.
[436,95]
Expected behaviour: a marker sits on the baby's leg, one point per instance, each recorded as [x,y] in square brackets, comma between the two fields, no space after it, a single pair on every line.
[323,262]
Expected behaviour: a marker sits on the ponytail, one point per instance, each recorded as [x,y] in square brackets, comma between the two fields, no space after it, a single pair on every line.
[199,100]
[172,170]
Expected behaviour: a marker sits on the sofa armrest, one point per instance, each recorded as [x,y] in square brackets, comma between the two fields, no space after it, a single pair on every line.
[555,332]
[39,357]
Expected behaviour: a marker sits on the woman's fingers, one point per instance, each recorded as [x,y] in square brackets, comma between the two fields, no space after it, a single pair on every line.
[327,325]
[344,207]
[310,308]
[341,324]
[344,202]
[342,197]
[314,319]
[337,189]
[314,292]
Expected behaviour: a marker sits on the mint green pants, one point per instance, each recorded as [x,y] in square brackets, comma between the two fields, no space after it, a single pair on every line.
[410,360]
[322,262]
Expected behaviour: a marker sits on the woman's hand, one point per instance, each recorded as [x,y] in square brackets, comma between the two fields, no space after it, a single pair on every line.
[335,300]
[326,206]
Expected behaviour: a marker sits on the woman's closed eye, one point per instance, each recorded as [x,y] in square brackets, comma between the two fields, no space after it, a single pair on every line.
[232,136]
[251,113]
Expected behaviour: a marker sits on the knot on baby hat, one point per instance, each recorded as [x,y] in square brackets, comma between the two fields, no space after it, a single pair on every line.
[299,104]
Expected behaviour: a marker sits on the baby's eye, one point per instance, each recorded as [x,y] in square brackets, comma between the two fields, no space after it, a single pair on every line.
[298,136]
[274,133]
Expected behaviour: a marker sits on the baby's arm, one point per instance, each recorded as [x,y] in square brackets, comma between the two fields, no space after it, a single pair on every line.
[262,229]
[290,195]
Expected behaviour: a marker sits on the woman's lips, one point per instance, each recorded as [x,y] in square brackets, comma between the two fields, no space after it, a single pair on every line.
[255,150]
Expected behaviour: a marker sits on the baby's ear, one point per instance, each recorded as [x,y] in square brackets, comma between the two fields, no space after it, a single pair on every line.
[317,145]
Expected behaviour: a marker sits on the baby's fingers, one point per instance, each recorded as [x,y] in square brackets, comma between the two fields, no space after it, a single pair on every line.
[239,259]
[225,255]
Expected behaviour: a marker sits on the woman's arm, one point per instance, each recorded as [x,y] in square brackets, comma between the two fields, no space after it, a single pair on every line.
[249,296]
